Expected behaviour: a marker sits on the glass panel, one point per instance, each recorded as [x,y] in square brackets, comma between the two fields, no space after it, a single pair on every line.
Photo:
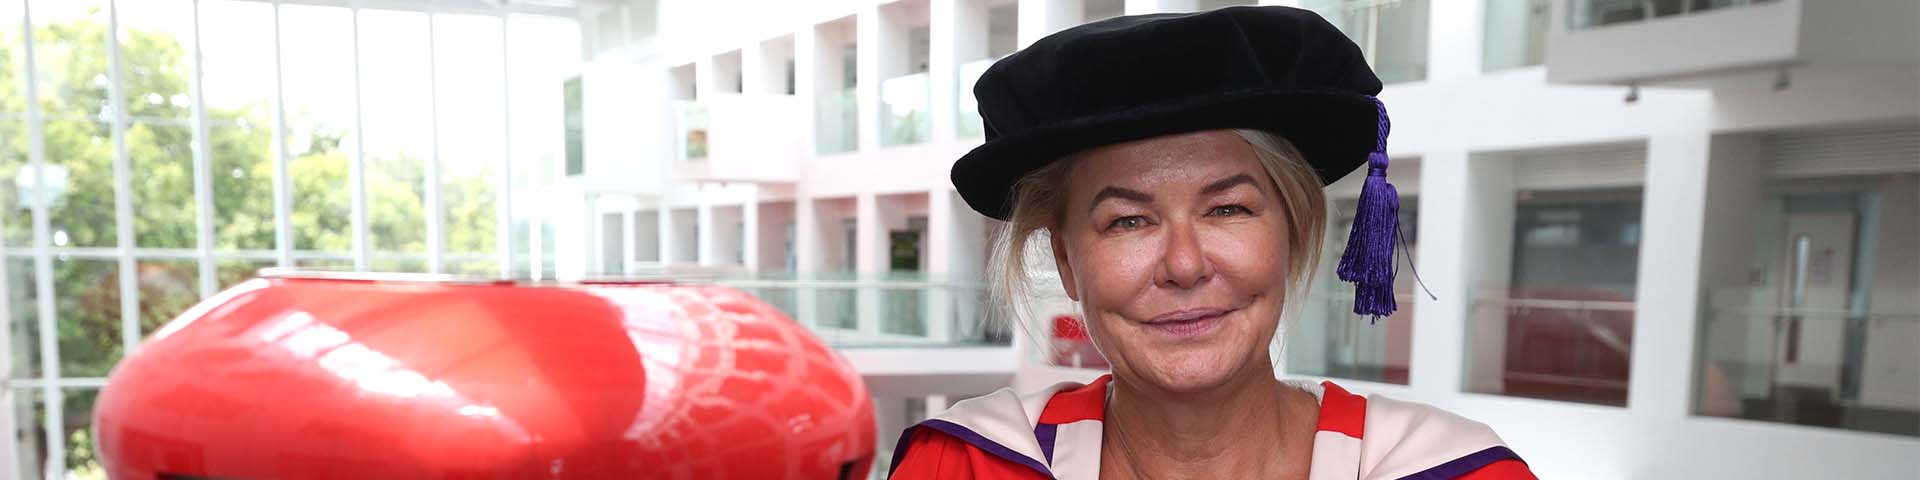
[77,412]
[471,122]
[167,287]
[970,122]
[398,120]
[238,80]
[160,155]
[16,226]
[1563,328]
[16,216]
[70,56]
[835,117]
[29,437]
[87,294]
[1515,34]
[401,265]
[232,271]
[79,174]
[341,262]
[1811,318]
[156,41]
[903,119]
[1392,35]
[1329,340]
[1594,13]
[473,266]
[23,319]
[538,50]
[319,122]
[692,118]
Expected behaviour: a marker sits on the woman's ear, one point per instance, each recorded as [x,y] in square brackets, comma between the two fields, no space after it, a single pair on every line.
[1061,264]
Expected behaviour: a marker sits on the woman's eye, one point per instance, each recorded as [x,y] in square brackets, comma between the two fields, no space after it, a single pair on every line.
[1127,223]
[1225,210]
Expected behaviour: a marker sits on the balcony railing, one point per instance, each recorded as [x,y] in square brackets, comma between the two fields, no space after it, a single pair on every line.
[1571,345]
[690,122]
[1821,367]
[835,117]
[1596,13]
[881,310]
[1329,340]
[904,116]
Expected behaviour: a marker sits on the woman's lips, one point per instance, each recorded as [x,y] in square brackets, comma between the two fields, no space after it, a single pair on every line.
[1188,322]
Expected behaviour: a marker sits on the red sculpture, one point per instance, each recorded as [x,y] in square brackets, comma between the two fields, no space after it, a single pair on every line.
[311,377]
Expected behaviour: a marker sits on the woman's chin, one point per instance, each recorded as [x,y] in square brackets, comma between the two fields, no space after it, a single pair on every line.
[1189,372]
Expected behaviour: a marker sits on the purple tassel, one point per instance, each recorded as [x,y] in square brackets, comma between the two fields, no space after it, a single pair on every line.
[1368,261]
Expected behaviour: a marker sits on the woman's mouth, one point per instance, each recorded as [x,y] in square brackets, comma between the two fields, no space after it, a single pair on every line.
[1187,323]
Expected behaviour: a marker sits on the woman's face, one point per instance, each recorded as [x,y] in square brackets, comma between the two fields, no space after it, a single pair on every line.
[1176,248]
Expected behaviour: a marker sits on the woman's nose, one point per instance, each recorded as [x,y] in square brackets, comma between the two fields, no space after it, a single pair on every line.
[1183,263]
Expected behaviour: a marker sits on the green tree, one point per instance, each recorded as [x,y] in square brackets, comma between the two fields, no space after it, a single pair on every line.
[159,139]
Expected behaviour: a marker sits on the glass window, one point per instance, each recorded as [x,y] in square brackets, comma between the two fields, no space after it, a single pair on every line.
[1562,326]
[167,287]
[16,225]
[27,410]
[155,40]
[317,62]
[1392,35]
[237,60]
[471,123]
[1811,317]
[1516,33]
[23,318]
[395,68]
[1329,340]
[87,297]
[70,65]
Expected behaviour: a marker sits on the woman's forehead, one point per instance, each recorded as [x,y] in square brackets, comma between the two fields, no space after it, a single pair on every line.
[1172,161]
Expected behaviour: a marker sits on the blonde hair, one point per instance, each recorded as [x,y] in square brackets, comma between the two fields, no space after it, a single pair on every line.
[1038,205]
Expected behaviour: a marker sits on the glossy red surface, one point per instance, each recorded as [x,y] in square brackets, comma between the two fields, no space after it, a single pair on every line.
[319,378]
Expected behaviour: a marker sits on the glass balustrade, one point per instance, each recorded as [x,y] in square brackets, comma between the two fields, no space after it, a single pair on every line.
[904,113]
[1596,13]
[835,123]
[969,123]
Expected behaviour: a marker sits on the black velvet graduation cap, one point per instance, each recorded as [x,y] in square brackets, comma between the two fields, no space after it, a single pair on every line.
[1277,69]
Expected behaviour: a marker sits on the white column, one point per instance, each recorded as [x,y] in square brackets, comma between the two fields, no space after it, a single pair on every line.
[806,84]
[706,237]
[1453,39]
[669,233]
[750,233]
[629,242]
[1039,18]
[1440,321]
[1491,207]
[705,78]
[940,244]
[806,257]
[936,404]
[867,75]
[946,30]
[1142,7]
[869,262]
[1283,3]
[1667,297]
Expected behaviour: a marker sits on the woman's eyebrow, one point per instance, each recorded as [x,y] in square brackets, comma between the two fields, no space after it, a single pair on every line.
[1130,195]
[1222,185]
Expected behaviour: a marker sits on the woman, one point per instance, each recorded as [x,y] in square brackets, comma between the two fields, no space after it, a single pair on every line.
[1175,164]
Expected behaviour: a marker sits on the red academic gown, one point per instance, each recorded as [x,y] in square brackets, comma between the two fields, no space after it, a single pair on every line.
[1056,433]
